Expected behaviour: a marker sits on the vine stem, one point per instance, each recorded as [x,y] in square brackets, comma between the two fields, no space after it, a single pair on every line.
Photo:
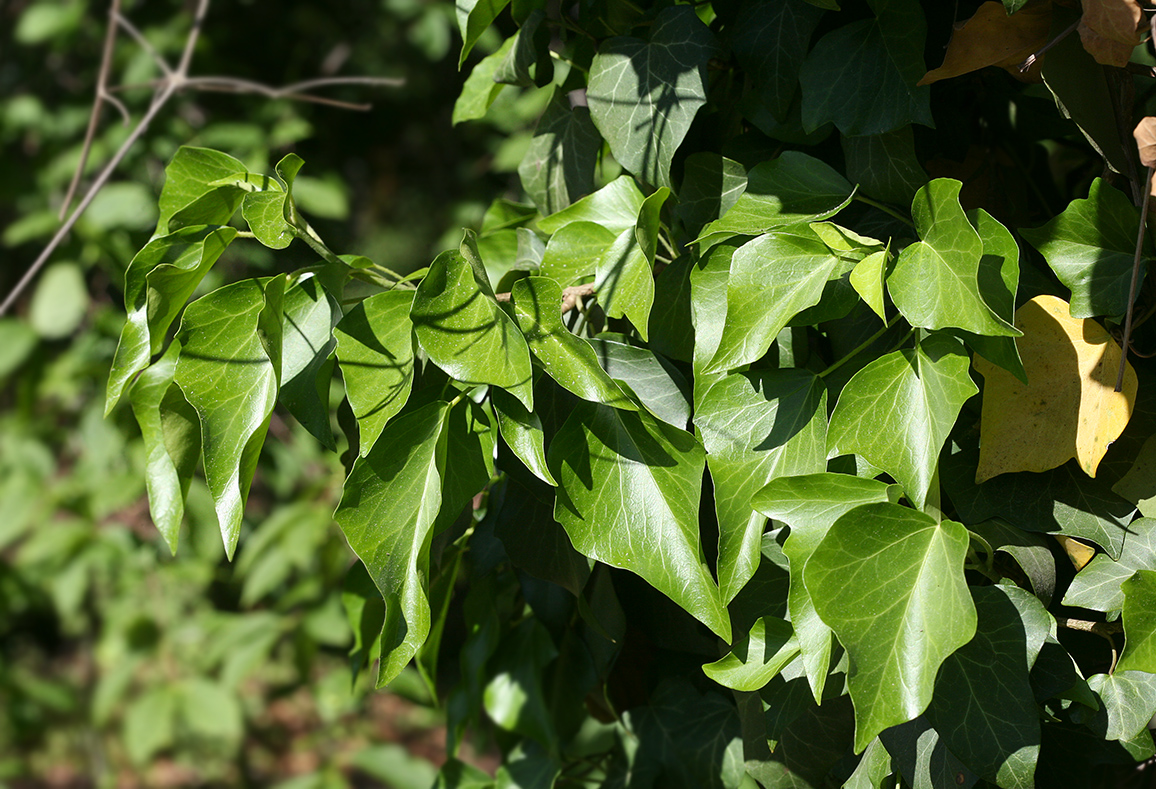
[859,348]
[885,209]
[1135,281]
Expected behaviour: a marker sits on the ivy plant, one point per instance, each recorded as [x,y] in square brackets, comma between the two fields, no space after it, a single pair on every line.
[668,471]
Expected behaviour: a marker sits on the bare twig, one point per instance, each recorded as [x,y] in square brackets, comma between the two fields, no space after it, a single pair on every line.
[1135,282]
[1099,628]
[1032,58]
[237,85]
[571,297]
[144,43]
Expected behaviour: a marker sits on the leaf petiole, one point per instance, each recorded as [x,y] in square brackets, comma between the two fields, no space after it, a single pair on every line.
[860,348]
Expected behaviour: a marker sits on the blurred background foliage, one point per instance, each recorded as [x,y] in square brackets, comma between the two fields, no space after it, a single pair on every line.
[119,664]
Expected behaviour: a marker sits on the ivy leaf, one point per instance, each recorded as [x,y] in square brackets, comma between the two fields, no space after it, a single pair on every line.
[671,327]
[528,64]
[623,278]
[643,95]
[375,351]
[772,279]
[873,769]
[387,511]
[923,759]
[863,76]
[1127,703]
[897,411]
[710,186]
[757,426]
[229,371]
[172,440]
[983,706]
[998,278]
[572,253]
[788,190]
[460,325]
[889,581]
[159,280]
[1069,408]
[656,383]
[308,343]
[935,283]
[757,657]
[558,167]
[1090,247]
[615,207]
[774,68]
[1139,615]
[1029,550]
[522,431]
[885,165]
[190,176]
[809,504]
[566,358]
[480,89]
[628,495]
[474,17]
[469,439]
[868,278]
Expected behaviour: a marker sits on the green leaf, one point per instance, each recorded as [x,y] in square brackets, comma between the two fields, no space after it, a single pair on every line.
[59,302]
[1029,550]
[1127,703]
[522,432]
[567,359]
[628,495]
[623,278]
[885,165]
[873,769]
[868,277]
[790,189]
[480,89]
[172,440]
[757,426]
[770,41]
[809,504]
[514,697]
[862,76]
[710,186]
[365,611]
[708,293]
[375,352]
[528,64]
[572,253]
[460,325]
[643,95]
[998,278]
[210,711]
[534,541]
[615,207]
[190,176]
[671,328]
[558,167]
[469,439]
[1098,585]
[308,343]
[459,775]
[270,213]
[772,279]
[159,280]
[1139,615]
[474,17]
[898,410]
[657,384]
[922,758]
[889,581]
[387,511]
[935,282]
[148,723]
[1090,247]
[983,706]
[229,371]
[756,658]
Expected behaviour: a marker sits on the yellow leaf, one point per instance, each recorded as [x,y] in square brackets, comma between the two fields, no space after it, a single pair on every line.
[1068,408]
[1079,553]
[992,38]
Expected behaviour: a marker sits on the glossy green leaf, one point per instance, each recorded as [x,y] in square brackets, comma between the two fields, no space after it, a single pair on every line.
[809,504]
[897,411]
[657,384]
[770,41]
[567,359]
[873,769]
[1090,247]
[935,283]
[773,278]
[469,440]
[615,207]
[522,432]
[889,581]
[465,332]
[983,706]
[172,439]
[1139,615]
[624,282]
[480,89]
[307,345]
[375,351]
[756,658]
[159,280]
[708,305]
[387,511]
[790,189]
[474,17]
[1030,551]
[574,250]
[757,426]
[558,167]
[643,95]
[1098,585]
[528,64]
[862,76]
[710,186]
[998,278]
[628,495]
[229,371]
[868,278]
[885,165]
[191,175]
[1127,703]
[270,213]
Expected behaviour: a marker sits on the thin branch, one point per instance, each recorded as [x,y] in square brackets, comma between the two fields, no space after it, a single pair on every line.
[1135,282]
[1099,628]
[97,106]
[1032,58]
[571,297]
[237,85]
[138,36]
[194,34]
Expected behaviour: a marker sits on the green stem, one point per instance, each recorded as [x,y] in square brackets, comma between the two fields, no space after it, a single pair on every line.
[885,209]
[859,348]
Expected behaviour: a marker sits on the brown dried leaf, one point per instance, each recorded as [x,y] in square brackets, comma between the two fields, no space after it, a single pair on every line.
[992,38]
[1145,134]
[1110,30]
